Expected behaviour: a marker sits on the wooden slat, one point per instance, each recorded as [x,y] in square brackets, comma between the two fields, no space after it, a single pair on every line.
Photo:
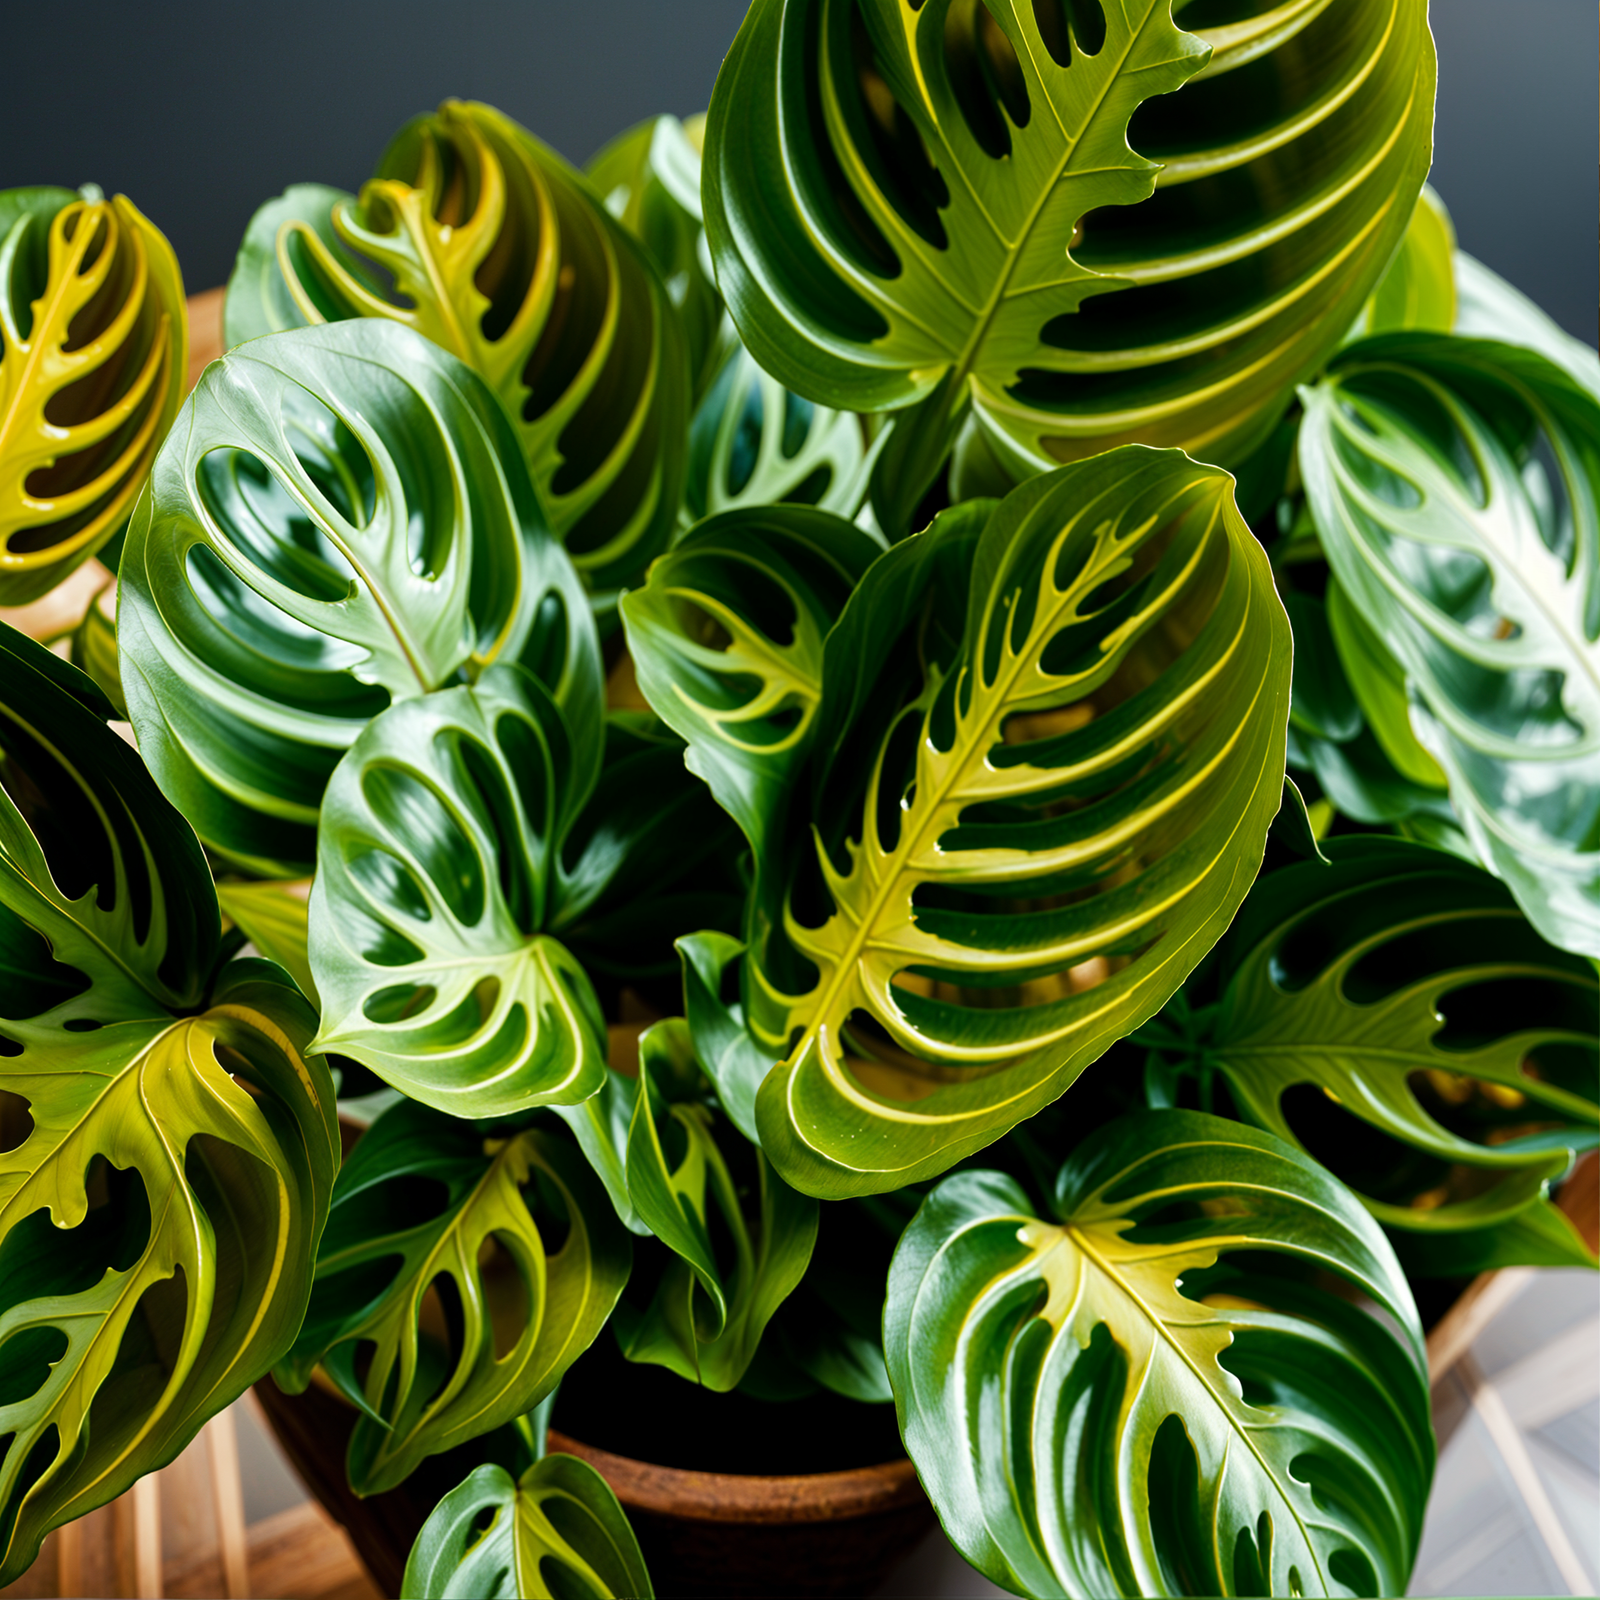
[147,1584]
[227,1494]
[304,1553]
[1513,1448]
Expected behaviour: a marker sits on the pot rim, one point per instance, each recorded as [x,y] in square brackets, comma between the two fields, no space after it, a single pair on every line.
[683,1493]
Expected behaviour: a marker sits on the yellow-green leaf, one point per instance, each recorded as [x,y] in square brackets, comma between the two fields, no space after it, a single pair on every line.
[1029,821]
[425,1205]
[94,350]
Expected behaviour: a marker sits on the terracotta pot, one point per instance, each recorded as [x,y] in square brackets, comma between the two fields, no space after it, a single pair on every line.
[720,1533]
[702,1533]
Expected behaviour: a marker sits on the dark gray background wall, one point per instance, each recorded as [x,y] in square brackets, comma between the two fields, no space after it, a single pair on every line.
[201,109]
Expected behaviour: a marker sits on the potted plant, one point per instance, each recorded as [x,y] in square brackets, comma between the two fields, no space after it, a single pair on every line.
[912,771]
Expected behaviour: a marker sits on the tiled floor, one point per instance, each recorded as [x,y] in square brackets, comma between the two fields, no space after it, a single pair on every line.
[1516,1501]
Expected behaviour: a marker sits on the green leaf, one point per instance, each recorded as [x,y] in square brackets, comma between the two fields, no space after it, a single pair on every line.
[273,256]
[714,1299]
[753,443]
[649,179]
[1294,825]
[1359,780]
[727,639]
[94,356]
[1111,1402]
[1078,221]
[600,1125]
[1030,821]
[1407,987]
[1322,704]
[430,1203]
[160,1212]
[556,1533]
[274,918]
[94,647]
[735,1063]
[500,253]
[650,855]
[438,876]
[1487,307]
[1454,484]
[340,520]
[1537,1236]
[1378,683]
[1418,290]
[831,1327]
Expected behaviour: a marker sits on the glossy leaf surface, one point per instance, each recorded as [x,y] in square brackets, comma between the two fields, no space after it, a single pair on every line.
[438,872]
[1079,220]
[1406,986]
[1109,1401]
[727,639]
[430,1215]
[1049,747]
[1487,307]
[500,253]
[739,1235]
[169,1149]
[94,352]
[272,273]
[753,443]
[1454,484]
[555,1533]
[342,520]
[731,1058]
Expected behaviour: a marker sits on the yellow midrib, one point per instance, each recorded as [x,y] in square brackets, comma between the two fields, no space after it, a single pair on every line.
[911,839]
[962,368]
[46,323]
[1081,1240]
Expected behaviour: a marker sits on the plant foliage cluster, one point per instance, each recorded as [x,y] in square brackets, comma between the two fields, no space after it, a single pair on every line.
[935,737]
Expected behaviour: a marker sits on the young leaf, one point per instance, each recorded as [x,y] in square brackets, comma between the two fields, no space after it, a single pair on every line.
[711,1305]
[429,1203]
[586,1552]
[1079,221]
[341,521]
[1487,307]
[753,443]
[160,1212]
[1108,1402]
[1407,987]
[727,637]
[94,354]
[1455,483]
[500,253]
[1029,823]
[271,274]
[438,875]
